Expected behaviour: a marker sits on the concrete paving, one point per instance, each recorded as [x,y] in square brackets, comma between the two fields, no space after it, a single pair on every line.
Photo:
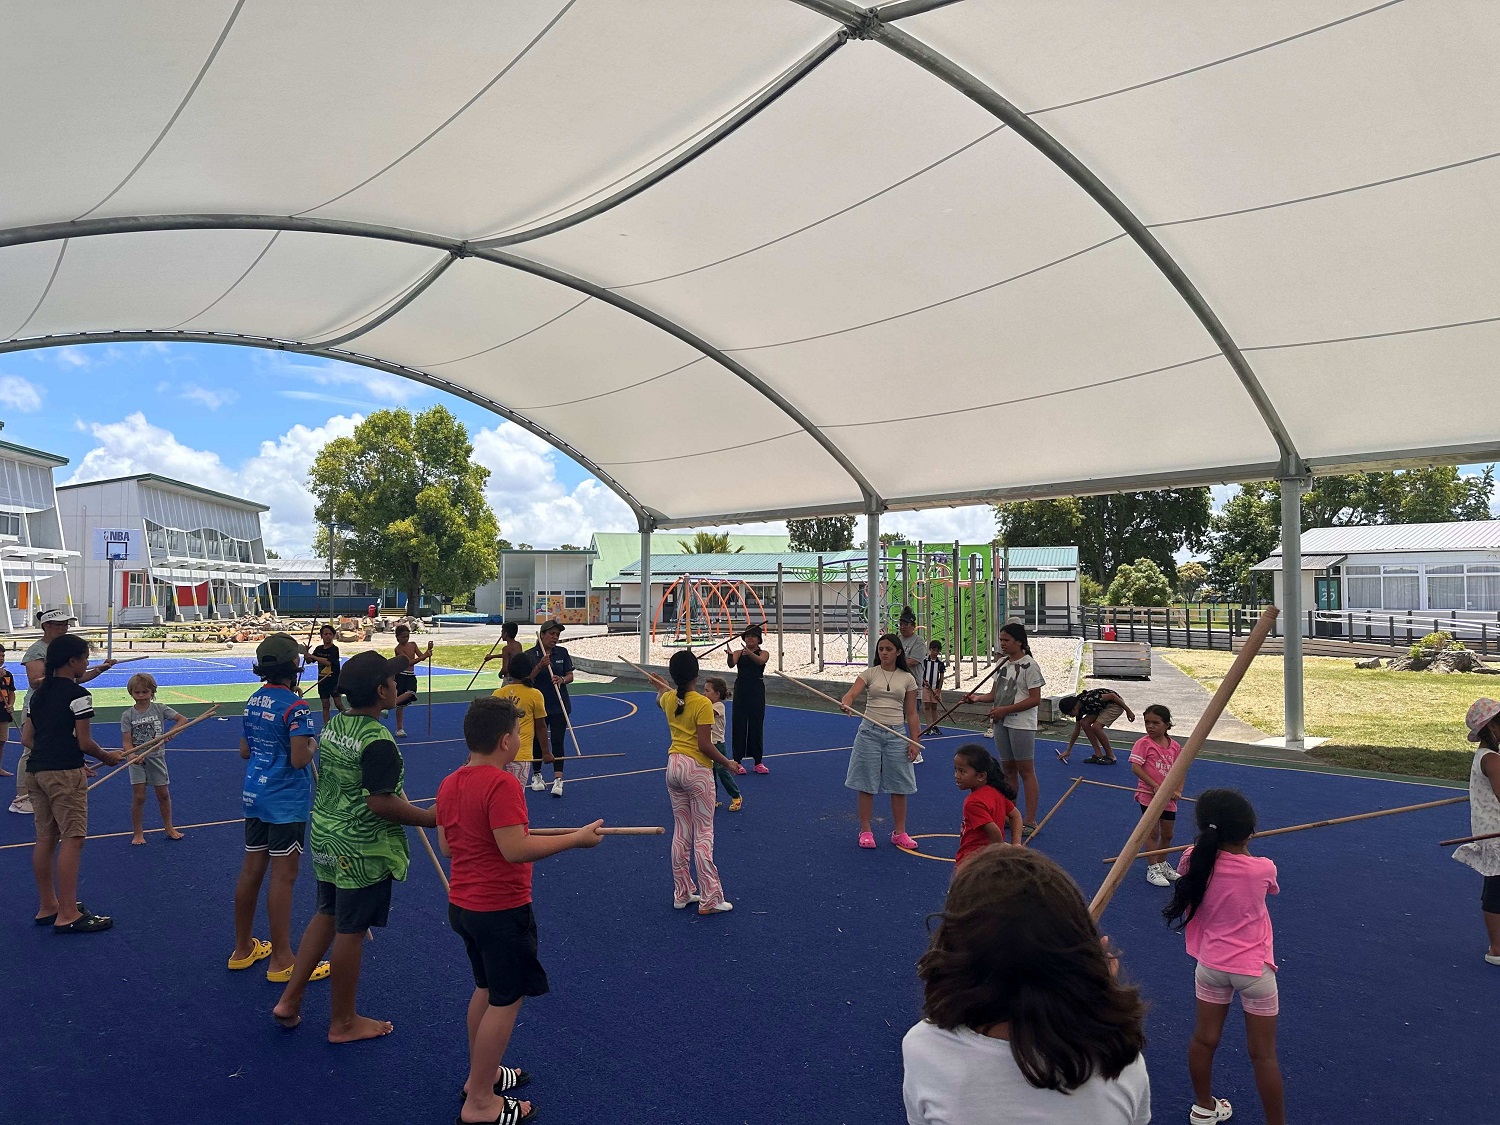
[1184,696]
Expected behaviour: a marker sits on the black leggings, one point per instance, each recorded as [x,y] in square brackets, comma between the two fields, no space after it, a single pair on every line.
[557,733]
[749,727]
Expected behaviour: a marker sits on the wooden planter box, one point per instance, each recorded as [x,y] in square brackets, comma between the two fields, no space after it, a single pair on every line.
[1125,660]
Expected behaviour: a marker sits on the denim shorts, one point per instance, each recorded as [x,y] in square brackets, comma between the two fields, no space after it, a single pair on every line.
[878,763]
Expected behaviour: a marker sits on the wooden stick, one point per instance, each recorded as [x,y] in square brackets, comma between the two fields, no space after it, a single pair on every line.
[839,704]
[1128,788]
[1077,781]
[606,831]
[1317,824]
[133,659]
[1468,839]
[432,855]
[651,677]
[1178,773]
[937,722]
[482,663]
[139,753]
[429,693]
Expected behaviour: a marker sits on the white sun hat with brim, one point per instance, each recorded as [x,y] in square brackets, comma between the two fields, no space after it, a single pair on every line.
[1481,713]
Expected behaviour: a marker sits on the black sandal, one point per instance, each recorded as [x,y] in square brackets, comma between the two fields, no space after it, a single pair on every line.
[88,924]
[510,1115]
[511,1078]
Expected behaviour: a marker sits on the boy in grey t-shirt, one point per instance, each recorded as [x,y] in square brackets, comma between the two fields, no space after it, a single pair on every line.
[140,724]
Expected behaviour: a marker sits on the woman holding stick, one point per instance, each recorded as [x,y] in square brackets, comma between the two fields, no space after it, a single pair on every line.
[1483,721]
[881,761]
[1016,695]
[749,722]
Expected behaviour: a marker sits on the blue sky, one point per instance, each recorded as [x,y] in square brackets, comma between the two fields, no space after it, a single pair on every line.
[249,422]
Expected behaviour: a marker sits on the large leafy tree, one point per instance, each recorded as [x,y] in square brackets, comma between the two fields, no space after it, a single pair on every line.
[708,543]
[409,503]
[831,533]
[1112,530]
[1139,583]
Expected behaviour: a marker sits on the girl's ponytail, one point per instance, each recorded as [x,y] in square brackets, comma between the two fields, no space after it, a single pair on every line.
[1224,817]
[684,670]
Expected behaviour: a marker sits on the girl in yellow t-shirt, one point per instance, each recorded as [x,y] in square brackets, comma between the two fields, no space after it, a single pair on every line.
[690,785]
[532,706]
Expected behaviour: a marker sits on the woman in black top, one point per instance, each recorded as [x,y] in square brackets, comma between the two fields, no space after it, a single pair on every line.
[749,664]
[327,656]
[57,733]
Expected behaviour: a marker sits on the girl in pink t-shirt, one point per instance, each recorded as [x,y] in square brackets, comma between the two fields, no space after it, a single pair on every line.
[1221,902]
[1150,759]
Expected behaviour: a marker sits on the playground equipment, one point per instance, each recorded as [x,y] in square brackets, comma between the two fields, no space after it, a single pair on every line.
[704,610]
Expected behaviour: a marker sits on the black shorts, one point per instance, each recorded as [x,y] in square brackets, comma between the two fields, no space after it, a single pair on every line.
[501,945]
[355,911]
[328,687]
[1164,816]
[278,839]
[405,682]
[1489,898]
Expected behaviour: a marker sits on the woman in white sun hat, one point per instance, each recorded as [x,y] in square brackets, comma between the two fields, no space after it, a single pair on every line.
[1483,721]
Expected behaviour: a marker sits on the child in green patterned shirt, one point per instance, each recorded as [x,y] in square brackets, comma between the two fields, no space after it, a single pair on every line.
[357,841]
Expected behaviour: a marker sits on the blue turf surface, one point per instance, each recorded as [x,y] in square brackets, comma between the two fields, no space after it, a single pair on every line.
[175,670]
[789,1010]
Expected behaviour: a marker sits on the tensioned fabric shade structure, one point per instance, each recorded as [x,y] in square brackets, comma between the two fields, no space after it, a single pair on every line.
[792,257]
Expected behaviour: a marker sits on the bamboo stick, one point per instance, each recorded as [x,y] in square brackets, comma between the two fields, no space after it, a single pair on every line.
[839,704]
[429,693]
[487,658]
[133,659]
[1178,773]
[1318,824]
[140,752]
[1468,839]
[1077,781]
[1128,788]
[432,855]
[605,831]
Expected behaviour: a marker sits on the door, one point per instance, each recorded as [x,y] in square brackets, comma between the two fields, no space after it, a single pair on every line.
[1327,599]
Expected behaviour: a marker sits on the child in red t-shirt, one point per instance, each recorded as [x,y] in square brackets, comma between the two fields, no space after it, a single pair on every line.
[482,825]
[989,803]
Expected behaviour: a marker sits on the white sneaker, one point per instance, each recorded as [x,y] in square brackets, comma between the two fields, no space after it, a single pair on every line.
[722,908]
[400,732]
[917,761]
[1155,877]
[537,784]
[681,903]
[1220,1112]
[557,788]
[1170,872]
[21,805]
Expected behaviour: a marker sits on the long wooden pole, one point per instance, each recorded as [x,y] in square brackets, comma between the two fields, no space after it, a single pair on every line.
[432,855]
[1178,773]
[132,659]
[1468,840]
[972,691]
[139,753]
[605,831]
[1127,788]
[429,693]
[1317,824]
[839,704]
[487,658]
[1077,781]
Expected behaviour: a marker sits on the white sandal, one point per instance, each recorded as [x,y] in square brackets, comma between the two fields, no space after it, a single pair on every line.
[1222,1111]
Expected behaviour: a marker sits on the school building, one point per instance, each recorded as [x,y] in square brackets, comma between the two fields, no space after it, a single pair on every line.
[33,557]
[1354,578]
[205,556]
[301,588]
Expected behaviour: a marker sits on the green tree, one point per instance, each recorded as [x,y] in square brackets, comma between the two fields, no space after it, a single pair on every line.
[1089,589]
[504,545]
[708,543]
[831,533]
[525,547]
[1192,576]
[569,547]
[409,503]
[889,539]
[1109,530]
[1139,583]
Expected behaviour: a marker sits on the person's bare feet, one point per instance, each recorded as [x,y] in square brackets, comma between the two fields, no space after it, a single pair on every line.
[174,834]
[486,1107]
[360,1027]
[138,839]
[286,1015]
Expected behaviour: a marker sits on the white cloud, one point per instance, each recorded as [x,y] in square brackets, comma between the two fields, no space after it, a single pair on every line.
[20,394]
[204,396]
[974,523]
[275,476]
[375,386]
[530,503]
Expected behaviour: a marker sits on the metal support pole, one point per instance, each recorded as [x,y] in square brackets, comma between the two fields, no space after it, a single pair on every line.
[974,574]
[956,617]
[109,644]
[818,641]
[905,578]
[874,572]
[645,652]
[1292,489]
[849,610]
[780,621]
[330,576]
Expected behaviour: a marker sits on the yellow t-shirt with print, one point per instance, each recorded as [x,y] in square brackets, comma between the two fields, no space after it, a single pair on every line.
[533,707]
[697,712]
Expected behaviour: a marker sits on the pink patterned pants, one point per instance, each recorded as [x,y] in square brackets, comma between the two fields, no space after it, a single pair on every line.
[691,788]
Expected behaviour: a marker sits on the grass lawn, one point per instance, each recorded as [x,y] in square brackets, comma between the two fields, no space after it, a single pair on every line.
[462,656]
[1395,722]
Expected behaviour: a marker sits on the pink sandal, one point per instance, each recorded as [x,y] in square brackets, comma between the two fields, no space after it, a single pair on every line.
[761,767]
[904,842]
[867,839]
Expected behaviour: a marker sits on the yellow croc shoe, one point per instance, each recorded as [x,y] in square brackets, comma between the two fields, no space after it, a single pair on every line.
[281,976]
[259,951]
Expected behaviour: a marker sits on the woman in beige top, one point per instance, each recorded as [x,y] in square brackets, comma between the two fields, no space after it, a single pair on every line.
[881,761]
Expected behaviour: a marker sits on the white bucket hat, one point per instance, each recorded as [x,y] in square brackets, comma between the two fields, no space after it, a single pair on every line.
[1481,712]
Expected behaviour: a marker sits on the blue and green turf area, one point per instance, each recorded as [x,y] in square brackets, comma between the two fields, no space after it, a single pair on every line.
[788,1010]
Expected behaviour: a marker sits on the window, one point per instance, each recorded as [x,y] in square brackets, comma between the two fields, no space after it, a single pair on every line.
[1445,587]
[10,524]
[323,589]
[135,589]
[515,598]
[1363,587]
[576,599]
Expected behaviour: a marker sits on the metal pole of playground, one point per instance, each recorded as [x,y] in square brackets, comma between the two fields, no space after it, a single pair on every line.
[849,611]
[974,569]
[920,603]
[905,578]
[820,613]
[780,623]
[958,621]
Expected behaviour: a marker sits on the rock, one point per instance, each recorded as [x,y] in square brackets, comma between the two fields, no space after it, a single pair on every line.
[1371,662]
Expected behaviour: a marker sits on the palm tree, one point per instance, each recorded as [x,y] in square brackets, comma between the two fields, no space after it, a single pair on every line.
[708,543]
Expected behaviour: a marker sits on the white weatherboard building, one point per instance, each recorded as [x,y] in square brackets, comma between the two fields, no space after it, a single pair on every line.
[33,560]
[205,556]
[1367,575]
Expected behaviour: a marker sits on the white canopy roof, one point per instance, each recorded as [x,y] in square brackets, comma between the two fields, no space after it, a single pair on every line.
[779,257]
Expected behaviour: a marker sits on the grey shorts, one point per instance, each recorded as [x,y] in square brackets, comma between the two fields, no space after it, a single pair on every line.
[878,763]
[1258,995]
[152,770]
[1013,744]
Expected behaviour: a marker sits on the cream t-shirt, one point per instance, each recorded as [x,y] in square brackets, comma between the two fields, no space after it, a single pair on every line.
[885,695]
